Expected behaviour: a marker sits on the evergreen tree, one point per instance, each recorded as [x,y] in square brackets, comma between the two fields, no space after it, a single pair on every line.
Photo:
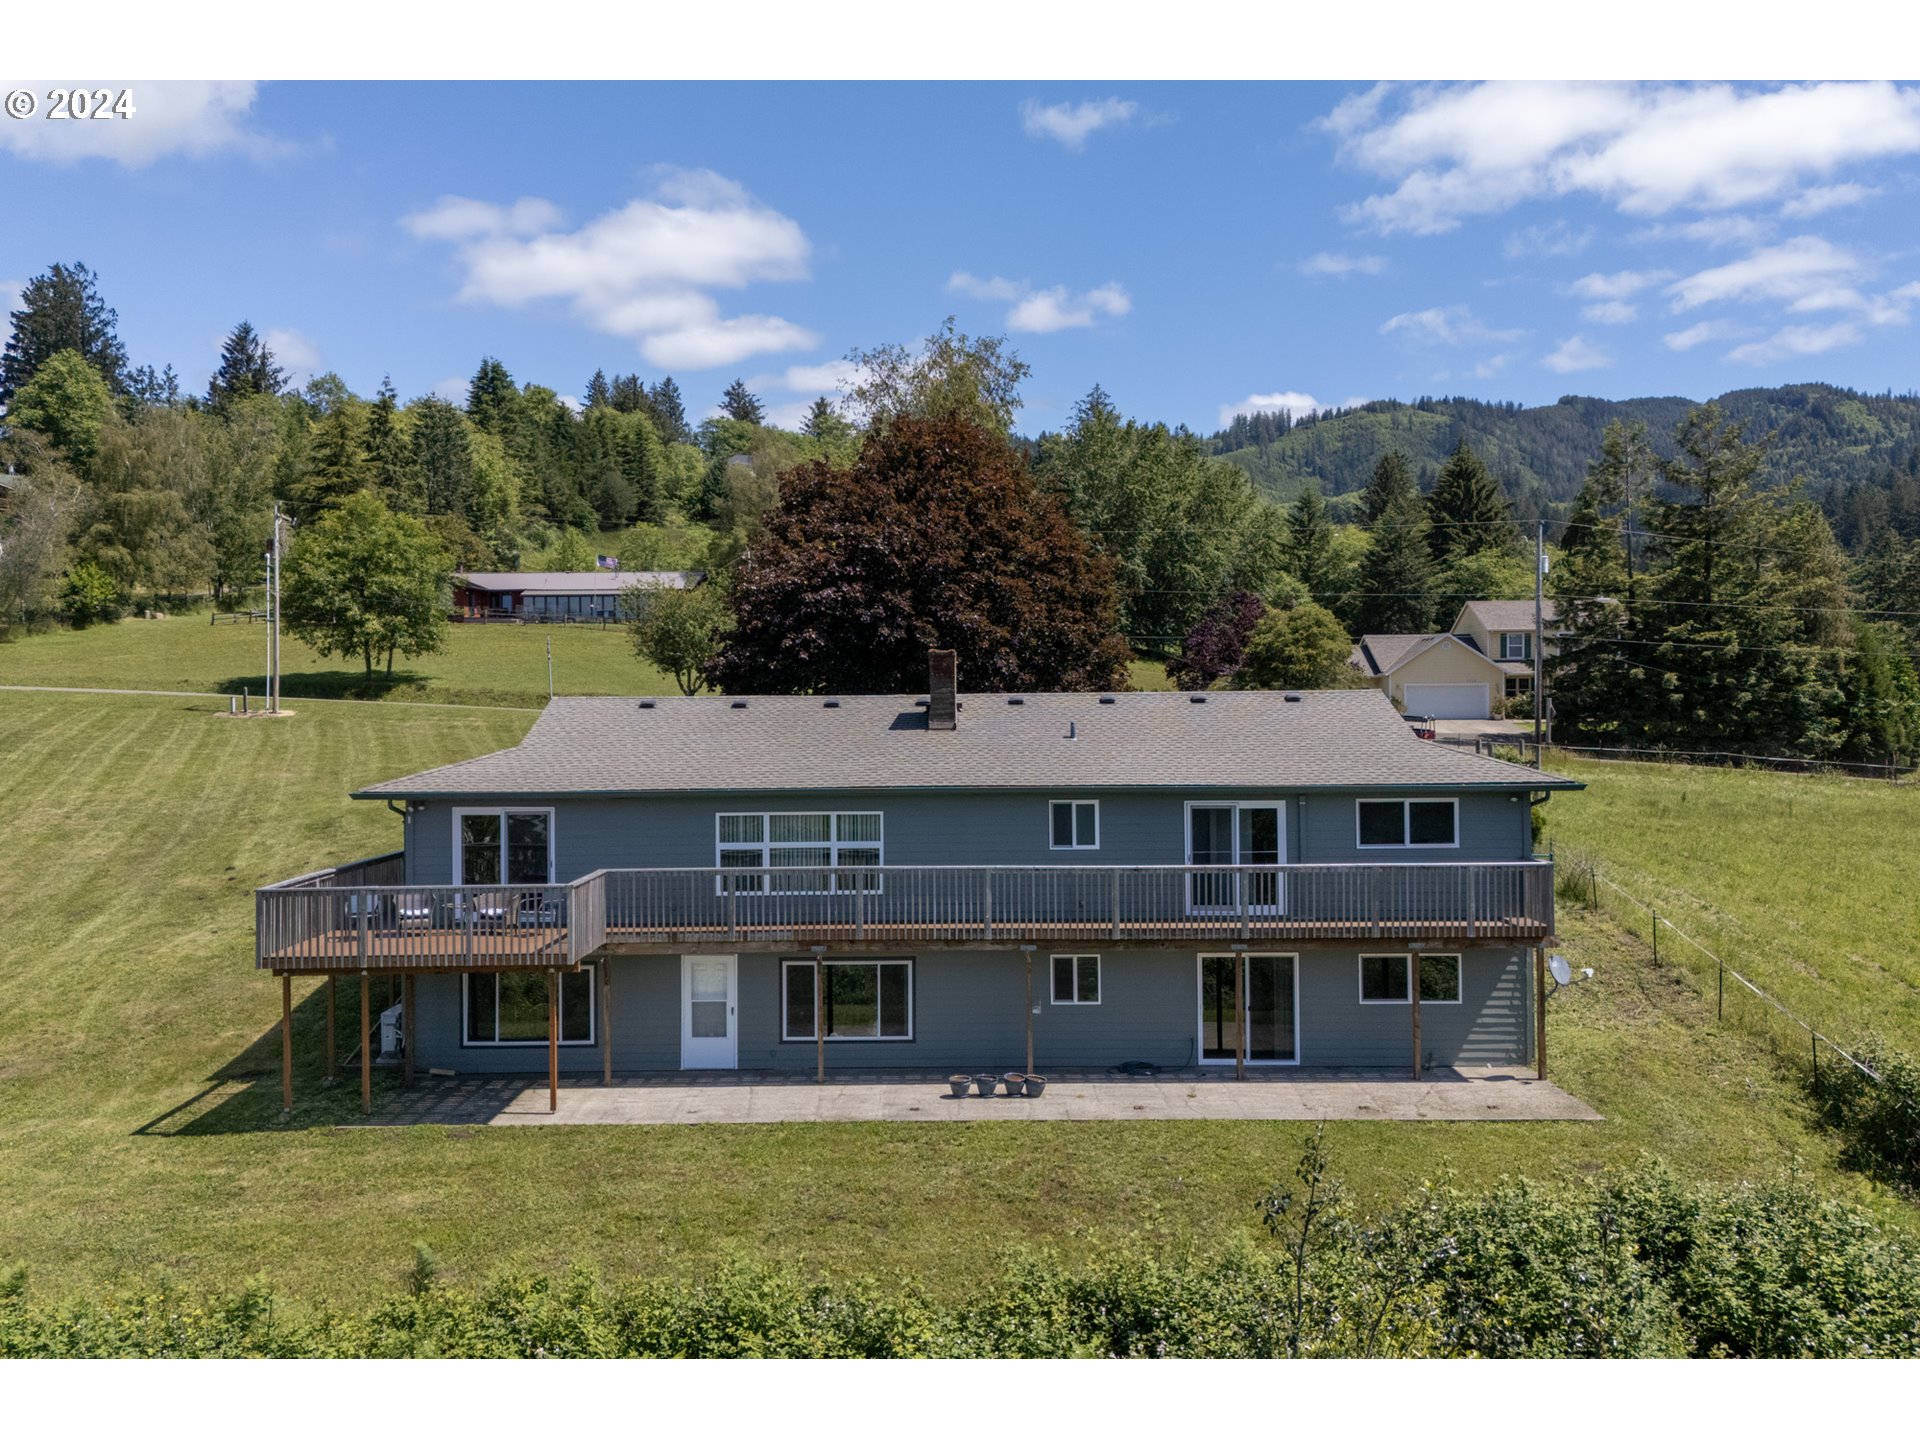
[443,454]
[62,310]
[598,392]
[668,413]
[1592,676]
[1392,477]
[1396,575]
[1309,544]
[492,397]
[1621,476]
[392,473]
[1466,508]
[337,461]
[627,394]
[160,390]
[643,466]
[740,403]
[246,368]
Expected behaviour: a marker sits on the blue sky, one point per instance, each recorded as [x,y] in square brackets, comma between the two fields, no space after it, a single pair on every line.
[1189,246]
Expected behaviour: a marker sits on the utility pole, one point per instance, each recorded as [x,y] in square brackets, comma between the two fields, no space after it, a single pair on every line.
[549,665]
[273,605]
[1539,633]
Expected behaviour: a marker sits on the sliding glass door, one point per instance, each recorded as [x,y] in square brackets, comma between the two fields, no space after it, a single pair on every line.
[1268,1006]
[1236,835]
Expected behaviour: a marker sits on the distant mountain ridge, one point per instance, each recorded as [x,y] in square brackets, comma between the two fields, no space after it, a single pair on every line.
[1836,439]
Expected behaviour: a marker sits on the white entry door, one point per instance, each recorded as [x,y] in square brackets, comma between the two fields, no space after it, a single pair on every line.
[709,1026]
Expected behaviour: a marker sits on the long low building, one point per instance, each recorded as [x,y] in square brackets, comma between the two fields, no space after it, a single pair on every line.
[556,594]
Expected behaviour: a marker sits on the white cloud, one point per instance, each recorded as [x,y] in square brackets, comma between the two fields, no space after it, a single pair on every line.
[1793,271]
[1491,366]
[1041,312]
[1818,199]
[1454,151]
[294,353]
[10,293]
[1611,312]
[1696,334]
[643,271]
[1713,230]
[1446,325]
[1339,267]
[453,389]
[1574,354]
[1072,124]
[1294,402]
[194,118]
[1795,340]
[1621,285]
[1558,238]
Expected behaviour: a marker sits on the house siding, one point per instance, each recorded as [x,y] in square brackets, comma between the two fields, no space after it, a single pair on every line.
[969,1014]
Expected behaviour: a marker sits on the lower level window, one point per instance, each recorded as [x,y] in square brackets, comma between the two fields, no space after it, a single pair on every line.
[864,1000]
[1387,979]
[511,1008]
[1076,979]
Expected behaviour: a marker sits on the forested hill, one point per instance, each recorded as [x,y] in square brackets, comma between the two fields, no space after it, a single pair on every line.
[1833,438]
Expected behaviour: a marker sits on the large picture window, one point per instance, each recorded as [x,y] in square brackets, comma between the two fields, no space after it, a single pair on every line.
[809,844]
[864,1000]
[511,1008]
[504,847]
[1408,824]
[1387,979]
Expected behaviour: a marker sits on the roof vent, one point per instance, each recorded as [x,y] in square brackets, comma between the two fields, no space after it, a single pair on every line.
[829,704]
[739,705]
[1196,699]
[1016,699]
[1073,730]
[1292,697]
[646,704]
[1106,699]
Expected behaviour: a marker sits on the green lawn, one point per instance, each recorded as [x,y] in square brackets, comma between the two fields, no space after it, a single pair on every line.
[1803,883]
[482,664]
[139,1090]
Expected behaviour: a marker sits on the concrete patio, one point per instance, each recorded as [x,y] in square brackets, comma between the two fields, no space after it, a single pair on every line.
[750,1098]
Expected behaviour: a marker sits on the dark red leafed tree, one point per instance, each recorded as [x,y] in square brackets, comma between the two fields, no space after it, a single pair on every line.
[935,536]
[1218,641]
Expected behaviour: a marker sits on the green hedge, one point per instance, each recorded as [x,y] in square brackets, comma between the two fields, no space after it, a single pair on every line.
[1638,1264]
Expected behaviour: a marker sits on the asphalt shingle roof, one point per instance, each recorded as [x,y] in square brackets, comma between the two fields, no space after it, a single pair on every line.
[1497,615]
[1234,739]
[576,582]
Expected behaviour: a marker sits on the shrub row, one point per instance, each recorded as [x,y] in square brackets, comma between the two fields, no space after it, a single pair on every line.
[1637,1264]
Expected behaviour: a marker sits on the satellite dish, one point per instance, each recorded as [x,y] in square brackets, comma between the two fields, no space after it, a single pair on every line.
[1561,971]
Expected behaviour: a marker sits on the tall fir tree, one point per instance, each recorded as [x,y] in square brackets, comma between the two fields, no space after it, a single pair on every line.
[598,391]
[337,460]
[1396,574]
[1309,544]
[246,368]
[1467,510]
[1592,675]
[492,398]
[668,413]
[1621,479]
[740,403]
[627,394]
[443,454]
[62,310]
[392,472]
[1392,477]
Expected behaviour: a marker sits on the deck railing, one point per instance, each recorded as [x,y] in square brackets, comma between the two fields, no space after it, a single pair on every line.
[317,923]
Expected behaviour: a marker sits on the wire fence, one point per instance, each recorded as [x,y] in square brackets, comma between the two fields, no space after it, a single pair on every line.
[1523,748]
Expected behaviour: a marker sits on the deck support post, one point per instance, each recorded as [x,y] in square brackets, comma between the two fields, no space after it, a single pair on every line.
[406,1022]
[553,1042]
[1413,996]
[333,1044]
[1540,1011]
[286,1044]
[606,1020]
[1240,1013]
[366,1049]
[819,1018]
[1029,950]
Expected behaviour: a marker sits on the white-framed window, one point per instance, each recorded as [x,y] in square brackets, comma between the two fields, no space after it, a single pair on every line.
[1514,646]
[510,1008]
[809,843]
[1073,825]
[1407,824]
[864,999]
[502,846]
[1387,979]
[1076,979]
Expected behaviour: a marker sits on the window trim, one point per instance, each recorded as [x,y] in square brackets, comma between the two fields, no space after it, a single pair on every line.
[1076,956]
[590,969]
[790,963]
[1074,826]
[1406,959]
[459,850]
[767,845]
[1523,637]
[1406,822]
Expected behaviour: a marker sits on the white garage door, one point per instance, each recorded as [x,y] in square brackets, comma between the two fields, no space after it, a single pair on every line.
[1448,702]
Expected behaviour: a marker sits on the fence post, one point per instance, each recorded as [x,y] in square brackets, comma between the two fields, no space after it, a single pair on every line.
[1720,1002]
[1656,935]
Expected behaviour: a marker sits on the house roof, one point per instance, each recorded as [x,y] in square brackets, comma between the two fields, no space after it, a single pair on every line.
[1387,653]
[1244,740]
[1497,615]
[576,582]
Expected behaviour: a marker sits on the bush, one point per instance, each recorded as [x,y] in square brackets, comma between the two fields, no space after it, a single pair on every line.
[89,595]
[1879,1123]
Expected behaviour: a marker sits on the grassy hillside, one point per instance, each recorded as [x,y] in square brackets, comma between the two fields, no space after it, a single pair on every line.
[1821,433]
[139,1087]
[482,664]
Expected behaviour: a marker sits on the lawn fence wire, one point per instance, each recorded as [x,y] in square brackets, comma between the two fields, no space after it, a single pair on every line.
[1580,881]
[1523,749]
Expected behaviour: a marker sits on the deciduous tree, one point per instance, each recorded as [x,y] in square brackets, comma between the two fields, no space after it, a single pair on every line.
[363,581]
[676,630]
[1303,648]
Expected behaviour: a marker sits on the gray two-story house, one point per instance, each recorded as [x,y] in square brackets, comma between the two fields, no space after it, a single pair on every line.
[1061,881]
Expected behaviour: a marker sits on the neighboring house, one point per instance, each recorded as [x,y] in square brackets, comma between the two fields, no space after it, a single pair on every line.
[951,883]
[555,594]
[1460,673]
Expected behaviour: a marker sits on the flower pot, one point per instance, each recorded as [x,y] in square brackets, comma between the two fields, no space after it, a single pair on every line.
[1015,1082]
[1036,1085]
[959,1085]
[983,1084]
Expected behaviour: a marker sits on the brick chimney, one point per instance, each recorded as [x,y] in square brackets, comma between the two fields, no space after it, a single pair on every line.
[943,701]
